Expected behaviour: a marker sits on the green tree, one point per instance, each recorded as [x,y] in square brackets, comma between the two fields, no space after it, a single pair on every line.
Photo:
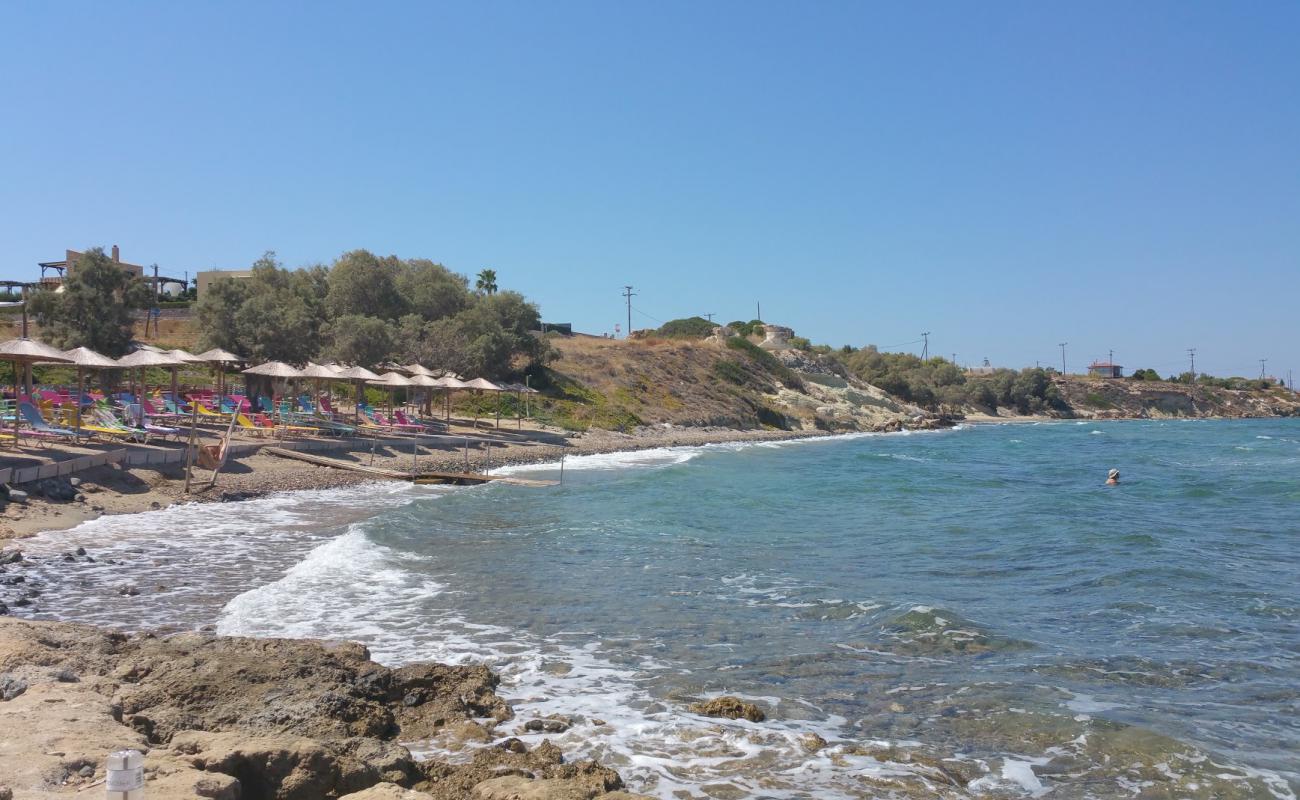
[487,281]
[358,339]
[215,313]
[95,308]
[433,291]
[362,283]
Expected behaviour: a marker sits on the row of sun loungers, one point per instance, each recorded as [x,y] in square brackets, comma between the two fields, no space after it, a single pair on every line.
[62,415]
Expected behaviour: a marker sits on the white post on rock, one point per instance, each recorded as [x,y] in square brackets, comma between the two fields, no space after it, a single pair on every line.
[125,775]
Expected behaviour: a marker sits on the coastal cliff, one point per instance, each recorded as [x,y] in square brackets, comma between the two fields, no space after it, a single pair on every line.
[730,382]
[247,719]
[1122,398]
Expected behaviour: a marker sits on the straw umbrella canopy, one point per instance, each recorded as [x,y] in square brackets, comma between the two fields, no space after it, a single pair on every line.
[359,376]
[221,358]
[142,359]
[24,352]
[188,358]
[450,382]
[392,380]
[485,385]
[273,369]
[185,355]
[417,369]
[425,382]
[318,373]
[85,358]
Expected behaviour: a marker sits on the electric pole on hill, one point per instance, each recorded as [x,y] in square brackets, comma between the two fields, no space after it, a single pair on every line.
[1062,346]
[1262,362]
[708,315]
[925,349]
[1191,353]
[628,294]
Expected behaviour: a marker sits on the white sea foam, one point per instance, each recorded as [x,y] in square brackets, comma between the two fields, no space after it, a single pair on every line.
[658,457]
[351,587]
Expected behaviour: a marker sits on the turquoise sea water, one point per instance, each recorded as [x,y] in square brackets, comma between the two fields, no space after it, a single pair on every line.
[963,613]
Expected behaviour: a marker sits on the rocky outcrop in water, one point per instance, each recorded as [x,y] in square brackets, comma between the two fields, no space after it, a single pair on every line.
[729,708]
[246,719]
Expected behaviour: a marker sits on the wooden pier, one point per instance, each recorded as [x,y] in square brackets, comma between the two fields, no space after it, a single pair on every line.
[457,478]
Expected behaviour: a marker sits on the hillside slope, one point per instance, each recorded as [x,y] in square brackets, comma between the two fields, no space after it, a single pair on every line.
[623,383]
[1115,398]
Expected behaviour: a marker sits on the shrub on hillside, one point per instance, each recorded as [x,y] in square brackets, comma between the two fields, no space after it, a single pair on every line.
[767,361]
[688,328]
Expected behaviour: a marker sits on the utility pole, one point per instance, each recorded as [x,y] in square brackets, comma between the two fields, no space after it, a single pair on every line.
[925,349]
[1191,353]
[954,359]
[1262,361]
[1110,357]
[758,310]
[1062,346]
[709,316]
[628,294]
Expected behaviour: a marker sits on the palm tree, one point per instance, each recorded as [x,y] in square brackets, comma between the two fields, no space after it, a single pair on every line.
[487,281]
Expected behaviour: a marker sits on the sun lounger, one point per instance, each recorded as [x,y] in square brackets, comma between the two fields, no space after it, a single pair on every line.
[38,424]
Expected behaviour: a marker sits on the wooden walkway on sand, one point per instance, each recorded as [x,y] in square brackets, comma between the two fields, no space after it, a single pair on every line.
[458,478]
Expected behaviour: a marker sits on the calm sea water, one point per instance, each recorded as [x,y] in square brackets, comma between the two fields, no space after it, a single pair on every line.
[959,614]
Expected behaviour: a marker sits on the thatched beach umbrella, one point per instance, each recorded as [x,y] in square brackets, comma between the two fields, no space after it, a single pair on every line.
[359,376]
[318,373]
[221,358]
[272,369]
[426,382]
[142,359]
[392,380]
[450,382]
[417,369]
[485,385]
[188,358]
[24,352]
[85,359]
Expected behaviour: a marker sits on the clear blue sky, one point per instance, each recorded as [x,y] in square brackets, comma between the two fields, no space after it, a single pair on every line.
[1005,175]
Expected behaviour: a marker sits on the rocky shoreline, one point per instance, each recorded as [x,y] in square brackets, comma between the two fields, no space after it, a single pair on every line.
[243,719]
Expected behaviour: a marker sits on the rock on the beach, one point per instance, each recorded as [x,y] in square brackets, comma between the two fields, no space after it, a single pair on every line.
[230,718]
[11,686]
[58,489]
[10,556]
[387,791]
[518,787]
[729,708]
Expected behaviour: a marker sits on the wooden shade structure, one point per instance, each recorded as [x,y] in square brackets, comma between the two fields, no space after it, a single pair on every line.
[221,358]
[24,352]
[84,358]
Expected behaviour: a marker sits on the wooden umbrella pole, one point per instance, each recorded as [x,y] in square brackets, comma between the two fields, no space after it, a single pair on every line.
[189,448]
[81,382]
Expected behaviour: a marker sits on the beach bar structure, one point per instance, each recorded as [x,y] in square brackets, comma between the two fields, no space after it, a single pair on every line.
[1105,369]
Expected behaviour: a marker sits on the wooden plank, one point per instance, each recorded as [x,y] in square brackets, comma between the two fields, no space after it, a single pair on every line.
[323,461]
[420,478]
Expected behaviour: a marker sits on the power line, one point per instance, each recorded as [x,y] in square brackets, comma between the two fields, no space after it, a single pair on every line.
[647,316]
[925,349]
